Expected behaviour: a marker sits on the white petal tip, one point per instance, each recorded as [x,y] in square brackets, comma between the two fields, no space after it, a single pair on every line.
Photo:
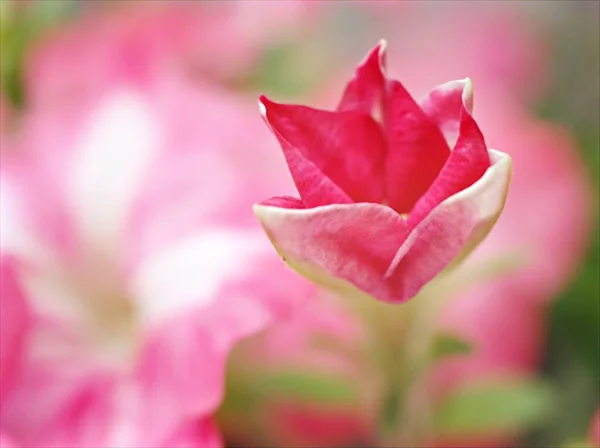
[266,213]
[258,210]
[382,49]
[467,95]
[262,108]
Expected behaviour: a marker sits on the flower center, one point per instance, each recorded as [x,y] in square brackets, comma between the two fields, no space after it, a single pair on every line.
[110,314]
[89,313]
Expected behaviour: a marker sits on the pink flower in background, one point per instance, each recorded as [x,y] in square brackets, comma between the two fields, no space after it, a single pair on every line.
[306,425]
[15,323]
[135,40]
[384,207]
[142,270]
[6,442]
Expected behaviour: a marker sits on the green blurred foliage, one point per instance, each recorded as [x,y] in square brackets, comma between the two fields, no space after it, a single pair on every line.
[446,344]
[494,407]
[20,23]
[573,349]
[313,387]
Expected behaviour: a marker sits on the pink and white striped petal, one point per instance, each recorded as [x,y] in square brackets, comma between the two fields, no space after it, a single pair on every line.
[337,245]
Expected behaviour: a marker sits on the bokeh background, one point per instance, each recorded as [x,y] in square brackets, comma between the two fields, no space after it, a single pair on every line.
[542,58]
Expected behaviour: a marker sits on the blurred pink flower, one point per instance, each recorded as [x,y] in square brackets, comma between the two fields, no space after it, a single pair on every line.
[323,426]
[383,208]
[134,40]
[15,322]
[141,265]
[6,442]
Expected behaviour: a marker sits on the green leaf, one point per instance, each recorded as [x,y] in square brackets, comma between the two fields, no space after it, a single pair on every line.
[448,344]
[490,407]
[578,444]
[310,386]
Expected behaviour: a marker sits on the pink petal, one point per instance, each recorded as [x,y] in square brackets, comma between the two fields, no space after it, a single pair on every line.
[190,317]
[417,149]
[284,202]
[365,90]
[68,151]
[299,424]
[14,323]
[443,105]
[198,433]
[467,163]
[343,148]
[6,441]
[193,272]
[451,231]
[134,42]
[181,373]
[86,406]
[73,407]
[181,367]
[338,244]
[314,187]
[196,299]
[120,138]
[34,159]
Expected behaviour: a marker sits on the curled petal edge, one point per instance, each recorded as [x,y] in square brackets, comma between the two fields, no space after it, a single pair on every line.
[442,105]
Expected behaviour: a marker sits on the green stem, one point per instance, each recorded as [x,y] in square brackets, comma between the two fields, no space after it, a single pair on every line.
[410,361]
[402,340]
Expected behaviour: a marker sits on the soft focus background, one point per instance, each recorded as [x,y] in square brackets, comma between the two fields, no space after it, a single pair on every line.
[536,70]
